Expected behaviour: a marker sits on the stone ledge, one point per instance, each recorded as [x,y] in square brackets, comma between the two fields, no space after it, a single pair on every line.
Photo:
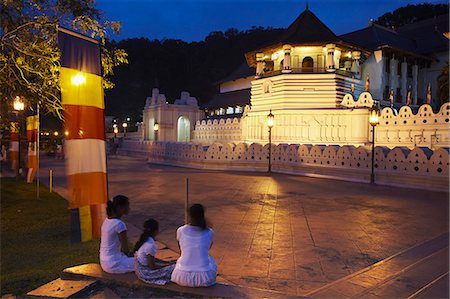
[94,272]
[60,288]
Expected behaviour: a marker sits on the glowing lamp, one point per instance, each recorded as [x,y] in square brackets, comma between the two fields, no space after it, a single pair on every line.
[124,125]
[270,120]
[374,116]
[18,104]
[116,130]
[156,126]
[56,133]
[78,79]
[66,133]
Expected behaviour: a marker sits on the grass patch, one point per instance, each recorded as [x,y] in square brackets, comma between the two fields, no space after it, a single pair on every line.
[35,237]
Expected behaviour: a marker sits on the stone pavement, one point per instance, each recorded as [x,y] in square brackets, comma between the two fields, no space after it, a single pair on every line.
[282,232]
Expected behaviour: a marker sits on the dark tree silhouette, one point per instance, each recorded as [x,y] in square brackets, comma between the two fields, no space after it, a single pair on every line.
[411,13]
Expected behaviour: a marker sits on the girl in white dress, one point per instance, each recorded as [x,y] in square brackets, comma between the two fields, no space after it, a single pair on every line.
[195,268]
[114,252]
[145,265]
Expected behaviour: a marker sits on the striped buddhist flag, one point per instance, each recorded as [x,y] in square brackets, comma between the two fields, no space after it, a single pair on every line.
[32,129]
[14,145]
[82,99]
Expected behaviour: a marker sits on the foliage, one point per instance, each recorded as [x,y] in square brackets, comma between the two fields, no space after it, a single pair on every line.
[29,56]
[35,235]
[174,66]
[443,91]
[411,13]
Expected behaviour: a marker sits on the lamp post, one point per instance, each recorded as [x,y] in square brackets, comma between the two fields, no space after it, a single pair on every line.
[115,132]
[156,129]
[18,106]
[270,123]
[124,125]
[373,121]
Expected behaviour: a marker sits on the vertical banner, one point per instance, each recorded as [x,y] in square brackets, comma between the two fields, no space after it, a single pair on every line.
[84,121]
[32,129]
[14,145]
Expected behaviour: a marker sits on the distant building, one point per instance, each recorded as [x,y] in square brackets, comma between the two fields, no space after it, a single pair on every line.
[315,82]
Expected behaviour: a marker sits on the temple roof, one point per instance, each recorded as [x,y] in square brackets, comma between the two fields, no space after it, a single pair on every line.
[232,98]
[307,28]
[242,71]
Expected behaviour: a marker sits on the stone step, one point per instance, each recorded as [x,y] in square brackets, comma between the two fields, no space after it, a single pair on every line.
[398,276]
[94,271]
[62,289]
[434,289]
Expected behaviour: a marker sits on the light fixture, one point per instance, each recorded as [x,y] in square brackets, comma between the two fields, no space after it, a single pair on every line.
[374,116]
[18,104]
[270,120]
[66,133]
[56,133]
[373,121]
[78,79]
[156,126]
[124,125]
[116,130]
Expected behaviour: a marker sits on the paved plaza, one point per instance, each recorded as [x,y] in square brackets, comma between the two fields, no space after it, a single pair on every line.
[283,232]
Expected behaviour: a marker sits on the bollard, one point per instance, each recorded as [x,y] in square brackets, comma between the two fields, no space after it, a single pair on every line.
[51,180]
[186,203]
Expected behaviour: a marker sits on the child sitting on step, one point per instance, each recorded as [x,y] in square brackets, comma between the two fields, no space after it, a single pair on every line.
[146,267]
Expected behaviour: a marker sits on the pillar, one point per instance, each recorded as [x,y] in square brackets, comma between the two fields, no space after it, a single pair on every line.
[287,59]
[356,55]
[259,64]
[404,75]
[393,76]
[415,71]
[330,57]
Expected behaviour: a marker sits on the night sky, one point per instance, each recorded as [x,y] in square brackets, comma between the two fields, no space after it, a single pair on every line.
[192,20]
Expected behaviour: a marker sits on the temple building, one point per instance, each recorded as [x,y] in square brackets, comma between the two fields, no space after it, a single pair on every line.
[306,76]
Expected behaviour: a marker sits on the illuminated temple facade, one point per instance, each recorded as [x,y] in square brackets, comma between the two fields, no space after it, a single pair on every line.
[320,87]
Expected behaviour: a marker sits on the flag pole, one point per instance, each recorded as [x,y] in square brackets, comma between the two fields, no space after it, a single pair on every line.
[37,151]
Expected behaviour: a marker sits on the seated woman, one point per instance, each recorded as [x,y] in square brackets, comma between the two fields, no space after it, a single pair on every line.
[195,268]
[146,267]
[114,242]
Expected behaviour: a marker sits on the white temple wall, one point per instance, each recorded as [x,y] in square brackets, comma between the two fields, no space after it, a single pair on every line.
[418,168]
[218,130]
[374,68]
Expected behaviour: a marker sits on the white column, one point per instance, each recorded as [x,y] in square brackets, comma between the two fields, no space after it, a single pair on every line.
[259,64]
[330,57]
[356,55]
[393,76]
[415,71]
[287,59]
[403,79]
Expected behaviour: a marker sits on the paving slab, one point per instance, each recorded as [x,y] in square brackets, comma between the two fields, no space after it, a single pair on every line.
[94,271]
[60,288]
[325,228]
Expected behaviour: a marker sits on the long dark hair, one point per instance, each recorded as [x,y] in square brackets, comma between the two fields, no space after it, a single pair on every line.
[150,227]
[113,205]
[197,216]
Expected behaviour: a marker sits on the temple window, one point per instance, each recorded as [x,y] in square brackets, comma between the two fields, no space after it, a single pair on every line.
[230,110]
[307,64]
[238,109]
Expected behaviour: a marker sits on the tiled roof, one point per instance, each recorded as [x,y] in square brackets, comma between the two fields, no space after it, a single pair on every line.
[232,98]
[307,28]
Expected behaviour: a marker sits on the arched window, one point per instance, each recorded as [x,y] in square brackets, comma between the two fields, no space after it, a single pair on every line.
[307,64]
[184,129]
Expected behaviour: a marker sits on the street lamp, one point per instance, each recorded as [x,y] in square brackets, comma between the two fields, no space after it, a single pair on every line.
[18,106]
[124,125]
[373,121]
[116,130]
[270,123]
[156,128]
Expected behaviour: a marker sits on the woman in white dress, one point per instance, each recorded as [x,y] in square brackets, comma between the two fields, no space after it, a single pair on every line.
[147,268]
[195,268]
[114,252]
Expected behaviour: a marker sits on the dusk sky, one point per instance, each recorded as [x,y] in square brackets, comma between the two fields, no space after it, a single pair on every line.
[192,20]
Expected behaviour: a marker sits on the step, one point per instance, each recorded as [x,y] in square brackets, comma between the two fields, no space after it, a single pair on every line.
[434,289]
[94,271]
[397,276]
[60,288]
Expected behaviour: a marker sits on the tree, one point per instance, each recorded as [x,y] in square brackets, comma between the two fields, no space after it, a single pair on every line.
[29,56]
[411,13]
